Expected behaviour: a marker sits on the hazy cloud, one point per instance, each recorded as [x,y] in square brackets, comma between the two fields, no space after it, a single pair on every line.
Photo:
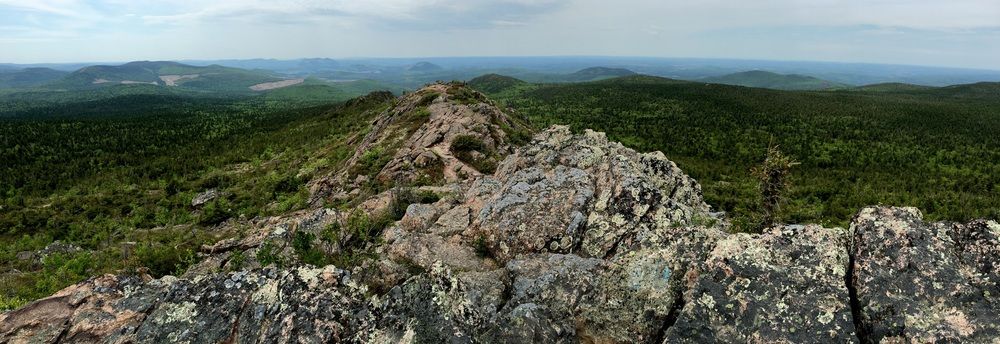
[954,32]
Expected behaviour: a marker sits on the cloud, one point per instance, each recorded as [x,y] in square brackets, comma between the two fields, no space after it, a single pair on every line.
[64,8]
[914,31]
[409,14]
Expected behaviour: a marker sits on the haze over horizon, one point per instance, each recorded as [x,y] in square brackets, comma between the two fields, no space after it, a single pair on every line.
[963,33]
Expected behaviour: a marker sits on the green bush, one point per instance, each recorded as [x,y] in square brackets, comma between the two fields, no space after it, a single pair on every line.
[403,198]
[215,212]
[773,185]
[467,143]
[464,146]
[237,260]
[269,254]
[428,98]
[371,162]
[163,259]
[8,303]
[302,243]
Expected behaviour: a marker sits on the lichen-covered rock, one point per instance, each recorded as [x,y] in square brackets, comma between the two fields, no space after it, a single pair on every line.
[786,285]
[411,141]
[204,197]
[537,211]
[925,282]
[272,234]
[262,306]
[424,250]
[79,313]
[452,222]
[582,193]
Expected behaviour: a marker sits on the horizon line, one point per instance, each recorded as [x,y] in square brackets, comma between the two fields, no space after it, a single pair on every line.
[349,58]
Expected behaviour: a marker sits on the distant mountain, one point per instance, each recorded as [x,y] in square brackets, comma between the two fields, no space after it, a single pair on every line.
[317,64]
[979,89]
[297,66]
[29,77]
[892,87]
[641,79]
[173,74]
[597,73]
[975,90]
[765,79]
[424,67]
[493,83]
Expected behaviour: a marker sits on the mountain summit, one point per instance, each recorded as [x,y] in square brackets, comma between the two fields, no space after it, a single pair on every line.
[449,224]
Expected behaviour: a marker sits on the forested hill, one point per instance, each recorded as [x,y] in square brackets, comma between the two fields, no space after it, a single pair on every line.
[764,79]
[80,176]
[935,148]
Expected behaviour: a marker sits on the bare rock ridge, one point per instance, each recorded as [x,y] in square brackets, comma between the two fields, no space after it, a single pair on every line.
[565,238]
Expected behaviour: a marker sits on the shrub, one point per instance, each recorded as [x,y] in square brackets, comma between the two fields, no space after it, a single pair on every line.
[302,243]
[428,98]
[464,95]
[237,260]
[371,162]
[286,184]
[215,212]
[772,183]
[8,303]
[463,147]
[403,198]
[163,259]
[467,143]
[268,254]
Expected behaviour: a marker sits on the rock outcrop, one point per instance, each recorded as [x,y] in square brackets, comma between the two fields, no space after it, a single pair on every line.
[925,282]
[573,238]
[412,142]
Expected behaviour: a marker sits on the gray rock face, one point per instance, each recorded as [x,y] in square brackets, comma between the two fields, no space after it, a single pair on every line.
[925,282]
[573,239]
[786,285]
[415,136]
[268,306]
[582,193]
[204,197]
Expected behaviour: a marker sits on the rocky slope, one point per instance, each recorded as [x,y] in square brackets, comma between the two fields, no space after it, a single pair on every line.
[572,238]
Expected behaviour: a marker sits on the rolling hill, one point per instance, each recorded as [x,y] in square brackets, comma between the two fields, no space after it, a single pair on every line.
[29,77]
[764,79]
[167,74]
[979,89]
[493,83]
[892,87]
[424,67]
[598,73]
[932,148]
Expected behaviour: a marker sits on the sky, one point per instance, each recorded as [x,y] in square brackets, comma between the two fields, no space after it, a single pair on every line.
[955,33]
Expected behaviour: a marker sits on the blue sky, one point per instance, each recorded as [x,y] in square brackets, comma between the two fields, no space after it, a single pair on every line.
[959,33]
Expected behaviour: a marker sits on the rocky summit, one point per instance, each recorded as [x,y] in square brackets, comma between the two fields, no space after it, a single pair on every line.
[488,236]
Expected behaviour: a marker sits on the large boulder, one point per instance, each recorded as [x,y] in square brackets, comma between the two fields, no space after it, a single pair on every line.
[925,282]
[786,285]
[267,306]
[567,193]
